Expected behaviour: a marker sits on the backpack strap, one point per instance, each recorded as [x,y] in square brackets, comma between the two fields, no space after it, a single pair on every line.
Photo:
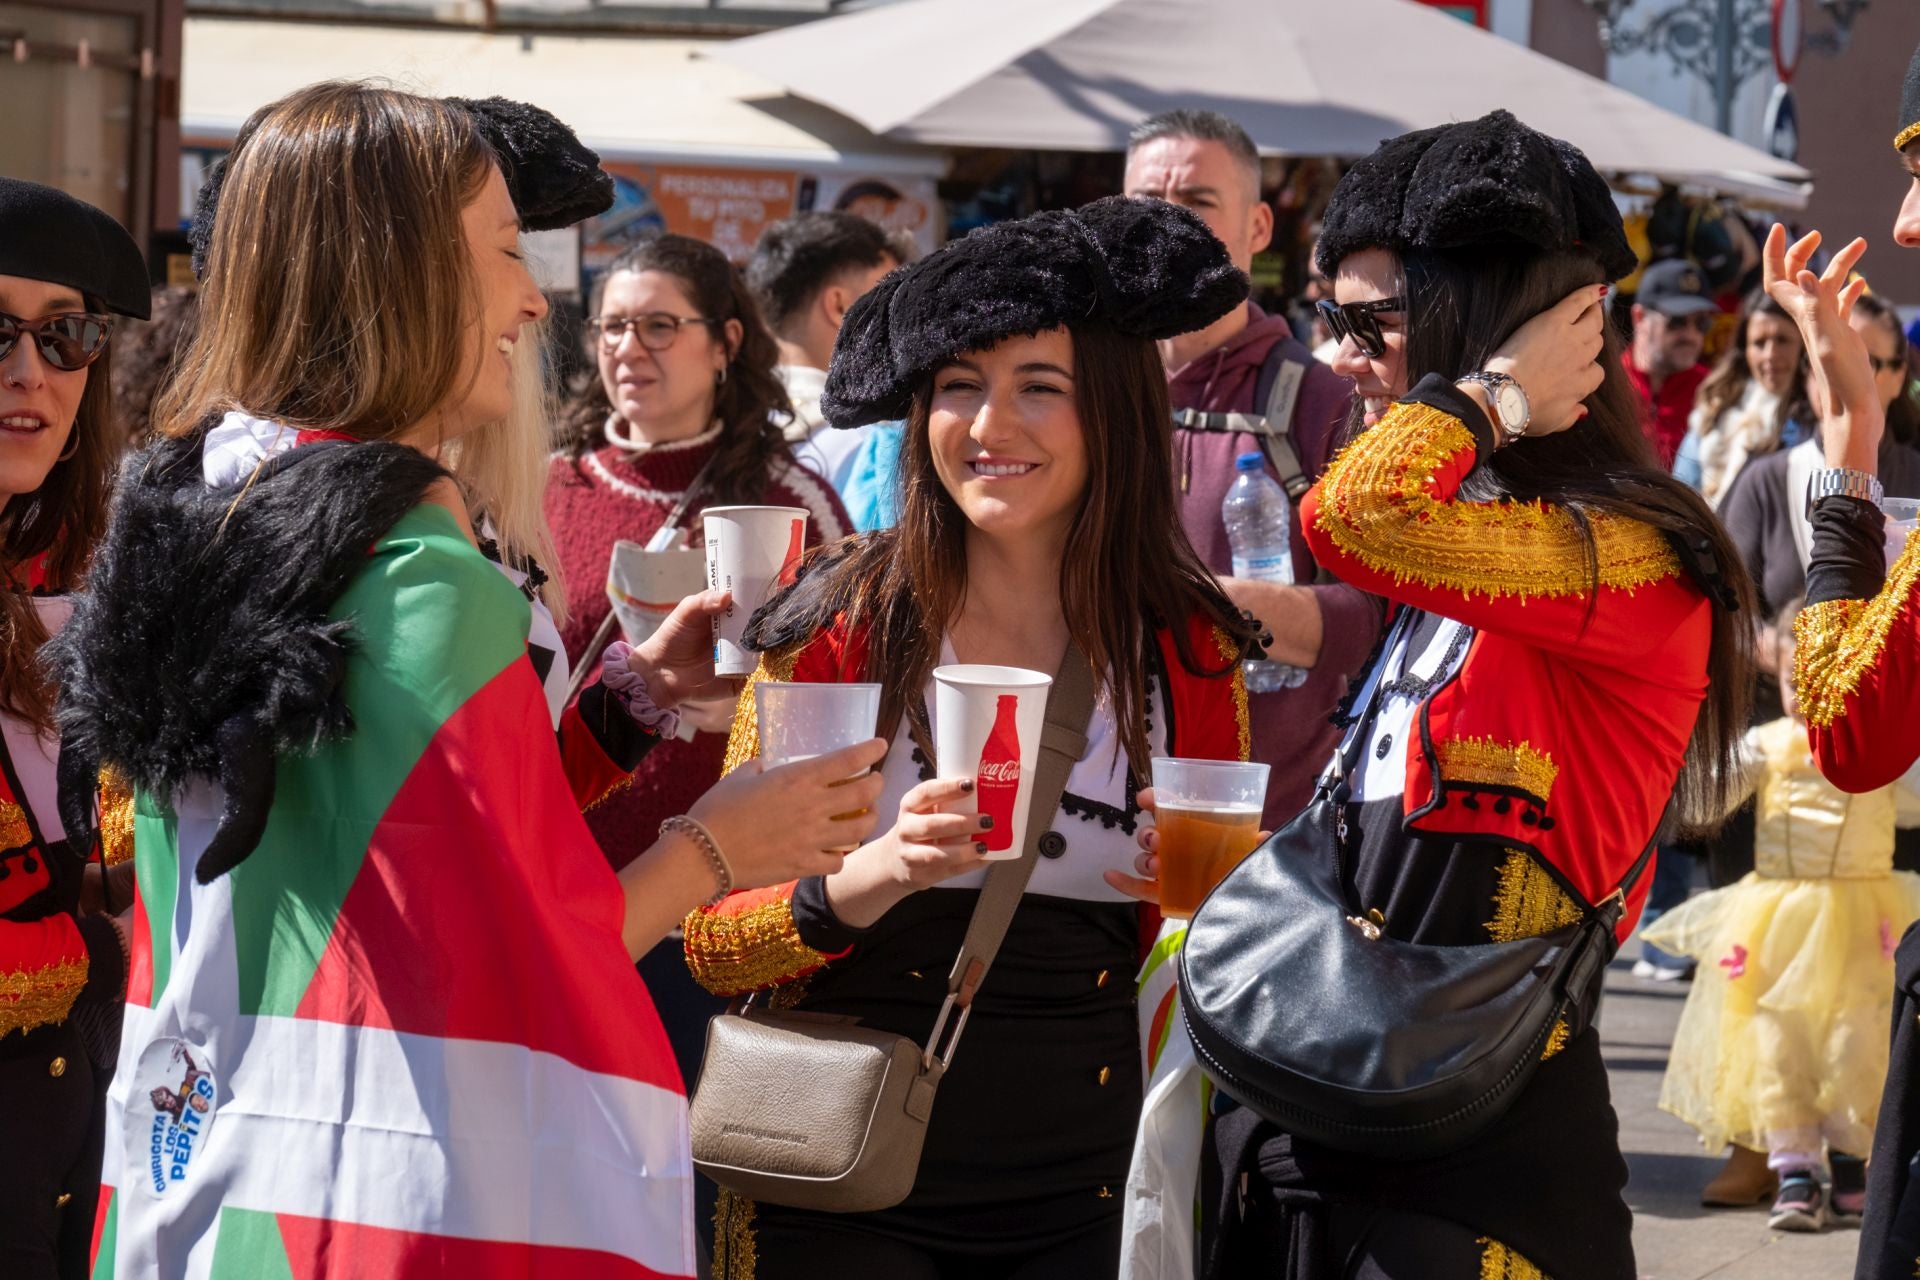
[1280,378]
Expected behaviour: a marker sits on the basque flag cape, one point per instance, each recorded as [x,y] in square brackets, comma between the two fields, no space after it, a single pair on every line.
[402,1037]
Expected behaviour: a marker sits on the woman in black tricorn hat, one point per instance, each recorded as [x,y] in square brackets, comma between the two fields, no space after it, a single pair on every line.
[1568,660]
[64,265]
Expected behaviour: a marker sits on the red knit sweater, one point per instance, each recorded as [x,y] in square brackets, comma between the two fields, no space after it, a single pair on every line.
[593,502]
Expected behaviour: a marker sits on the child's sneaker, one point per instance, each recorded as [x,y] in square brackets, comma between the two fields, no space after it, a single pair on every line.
[1802,1202]
[1849,1190]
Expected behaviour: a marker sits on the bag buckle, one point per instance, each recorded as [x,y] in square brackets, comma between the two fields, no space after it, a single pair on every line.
[1371,925]
[961,999]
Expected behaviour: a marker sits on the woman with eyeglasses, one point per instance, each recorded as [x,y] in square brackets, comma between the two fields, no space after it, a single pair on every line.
[685,415]
[64,266]
[1754,402]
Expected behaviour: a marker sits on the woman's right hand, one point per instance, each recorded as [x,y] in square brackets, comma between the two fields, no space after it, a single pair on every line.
[1840,376]
[784,824]
[924,847]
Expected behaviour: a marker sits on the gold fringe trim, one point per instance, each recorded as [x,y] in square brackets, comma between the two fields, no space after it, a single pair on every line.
[1487,763]
[1377,505]
[1902,138]
[1497,1262]
[731,954]
[743,738]
[34,997]
[14,830]
[1556,1039]
[116,819]
[1528,902]
[1837,642]
[1243,718]
[735,1252]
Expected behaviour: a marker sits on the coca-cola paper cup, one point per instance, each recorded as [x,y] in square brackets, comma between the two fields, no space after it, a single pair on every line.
[749,550]
[986,726]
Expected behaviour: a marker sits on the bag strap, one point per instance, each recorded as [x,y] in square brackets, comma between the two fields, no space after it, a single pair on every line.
[1063,740]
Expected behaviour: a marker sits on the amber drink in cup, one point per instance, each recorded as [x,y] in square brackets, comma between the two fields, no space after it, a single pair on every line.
[1208,817]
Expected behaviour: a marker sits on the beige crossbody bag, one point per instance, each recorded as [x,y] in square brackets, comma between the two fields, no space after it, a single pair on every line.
[817,1112]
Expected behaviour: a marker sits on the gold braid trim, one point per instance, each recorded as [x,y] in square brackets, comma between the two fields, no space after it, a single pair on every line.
[1243,719]
[744,951]
[1528,902]
[1377,505]
[1497,1262]
[14,830]
[1491,764]
[743,739]
[1838,641]
[116,819]
[1556,1039]
[735,1253]
[33,997]
[1906,135]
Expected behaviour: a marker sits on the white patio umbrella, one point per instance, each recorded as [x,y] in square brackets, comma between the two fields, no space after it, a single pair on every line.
[1304,77]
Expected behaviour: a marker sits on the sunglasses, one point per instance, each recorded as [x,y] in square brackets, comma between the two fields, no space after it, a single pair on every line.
[657,330]
[1699,321]
[1360,321]
[69,341]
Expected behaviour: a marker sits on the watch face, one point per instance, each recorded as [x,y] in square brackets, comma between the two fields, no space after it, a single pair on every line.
[1512,404]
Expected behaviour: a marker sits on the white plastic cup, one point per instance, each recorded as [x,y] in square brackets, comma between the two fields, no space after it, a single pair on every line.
[800,721]
[986,726]
[748,549]
[1903,517]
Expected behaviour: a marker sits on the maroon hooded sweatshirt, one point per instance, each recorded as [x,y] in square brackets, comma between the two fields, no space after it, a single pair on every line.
[1291,729]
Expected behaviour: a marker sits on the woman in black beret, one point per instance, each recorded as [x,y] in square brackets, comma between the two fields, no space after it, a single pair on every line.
[65,269]
[1037,508]
[1570,657]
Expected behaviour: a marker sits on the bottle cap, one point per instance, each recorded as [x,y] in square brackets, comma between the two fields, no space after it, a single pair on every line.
[1250,462]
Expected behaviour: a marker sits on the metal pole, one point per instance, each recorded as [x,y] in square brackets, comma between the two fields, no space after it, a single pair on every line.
[1723,71]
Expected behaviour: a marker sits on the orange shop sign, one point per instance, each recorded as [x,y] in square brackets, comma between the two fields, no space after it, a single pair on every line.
[725,207]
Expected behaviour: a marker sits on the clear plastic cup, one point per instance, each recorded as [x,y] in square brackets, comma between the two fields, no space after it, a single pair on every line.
[800,721]
[1208,819]
[1903,517]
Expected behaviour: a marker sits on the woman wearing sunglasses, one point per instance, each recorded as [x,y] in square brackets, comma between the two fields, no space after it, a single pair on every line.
[1561,670]
[685,415]
[64,265]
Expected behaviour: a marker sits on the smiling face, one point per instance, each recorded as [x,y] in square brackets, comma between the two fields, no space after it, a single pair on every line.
[669,394]
[1367,276]
[1773,351]
[1006,438]
[38,403]
[505,298]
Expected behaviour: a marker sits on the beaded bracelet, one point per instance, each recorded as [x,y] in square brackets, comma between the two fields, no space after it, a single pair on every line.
[697,832]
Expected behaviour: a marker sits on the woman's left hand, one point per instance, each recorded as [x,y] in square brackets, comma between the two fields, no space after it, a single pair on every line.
[676,661]
[1145,886]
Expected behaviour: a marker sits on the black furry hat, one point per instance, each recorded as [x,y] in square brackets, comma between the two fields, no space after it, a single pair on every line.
[1144,268]
[554,178]
[1909,106]
[1487,183]
[46,234]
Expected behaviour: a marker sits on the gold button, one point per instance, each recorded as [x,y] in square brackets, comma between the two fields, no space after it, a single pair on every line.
[61,1203]
[1104,1193]
[1106,1074]
[1101,981]
[57,1068]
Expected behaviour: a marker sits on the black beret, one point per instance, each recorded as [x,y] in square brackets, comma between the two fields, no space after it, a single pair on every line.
[46,234]
[1909,106]
[1144,268]
[1488,183]
[555,180]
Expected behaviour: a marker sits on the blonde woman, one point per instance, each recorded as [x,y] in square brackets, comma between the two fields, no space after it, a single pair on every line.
[382,1015]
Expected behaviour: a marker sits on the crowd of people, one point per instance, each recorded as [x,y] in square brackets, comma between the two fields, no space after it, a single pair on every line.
[383,849]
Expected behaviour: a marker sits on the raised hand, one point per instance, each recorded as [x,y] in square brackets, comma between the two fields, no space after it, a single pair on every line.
[1840,382]
[1555,357]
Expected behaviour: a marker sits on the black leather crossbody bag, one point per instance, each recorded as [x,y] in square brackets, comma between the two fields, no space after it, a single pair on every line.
[1305,1012]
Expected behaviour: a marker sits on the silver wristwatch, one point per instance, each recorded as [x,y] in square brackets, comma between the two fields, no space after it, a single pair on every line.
[1511,412]
[1843,482]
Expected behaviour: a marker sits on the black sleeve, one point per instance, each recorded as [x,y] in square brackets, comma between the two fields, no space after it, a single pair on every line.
[625,742]
[1849,551]
[814,921]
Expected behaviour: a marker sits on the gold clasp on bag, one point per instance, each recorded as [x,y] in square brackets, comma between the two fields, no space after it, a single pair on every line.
[1370,925]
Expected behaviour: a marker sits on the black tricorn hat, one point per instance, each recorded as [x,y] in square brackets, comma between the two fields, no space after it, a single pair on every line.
[1143,268]
[555,179]
[1485,184]
[1909,106]
[46,234]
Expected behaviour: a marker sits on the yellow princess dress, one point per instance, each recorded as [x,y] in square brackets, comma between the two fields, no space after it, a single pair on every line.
[1783,1041]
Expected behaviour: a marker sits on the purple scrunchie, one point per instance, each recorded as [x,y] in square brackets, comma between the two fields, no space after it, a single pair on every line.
[630,687]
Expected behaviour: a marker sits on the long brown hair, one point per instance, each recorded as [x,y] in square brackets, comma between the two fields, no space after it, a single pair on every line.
[1461,308]
[1903,415]
[1128,565]
[339,291]
[751,403]
[55,525]
[1722,388]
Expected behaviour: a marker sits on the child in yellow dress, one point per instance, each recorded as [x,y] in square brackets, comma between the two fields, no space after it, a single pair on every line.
[1782,1046]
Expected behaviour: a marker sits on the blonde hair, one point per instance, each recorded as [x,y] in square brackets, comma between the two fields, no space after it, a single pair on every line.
[339,292]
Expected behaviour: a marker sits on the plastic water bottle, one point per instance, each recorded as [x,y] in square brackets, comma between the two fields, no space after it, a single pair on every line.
[1256,513]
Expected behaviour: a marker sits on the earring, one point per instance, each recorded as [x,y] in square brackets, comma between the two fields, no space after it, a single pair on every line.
[73,446]
[720,379]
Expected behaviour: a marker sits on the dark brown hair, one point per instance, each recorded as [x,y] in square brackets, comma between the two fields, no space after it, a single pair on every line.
[751,404]
[1128,566]
[1723,388]
[1903,415]
[1461,308]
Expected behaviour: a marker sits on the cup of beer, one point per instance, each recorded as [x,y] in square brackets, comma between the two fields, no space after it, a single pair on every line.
[1208,819]
[799,721]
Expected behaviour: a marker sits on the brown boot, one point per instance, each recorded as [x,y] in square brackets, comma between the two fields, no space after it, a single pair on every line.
[1742,1182]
